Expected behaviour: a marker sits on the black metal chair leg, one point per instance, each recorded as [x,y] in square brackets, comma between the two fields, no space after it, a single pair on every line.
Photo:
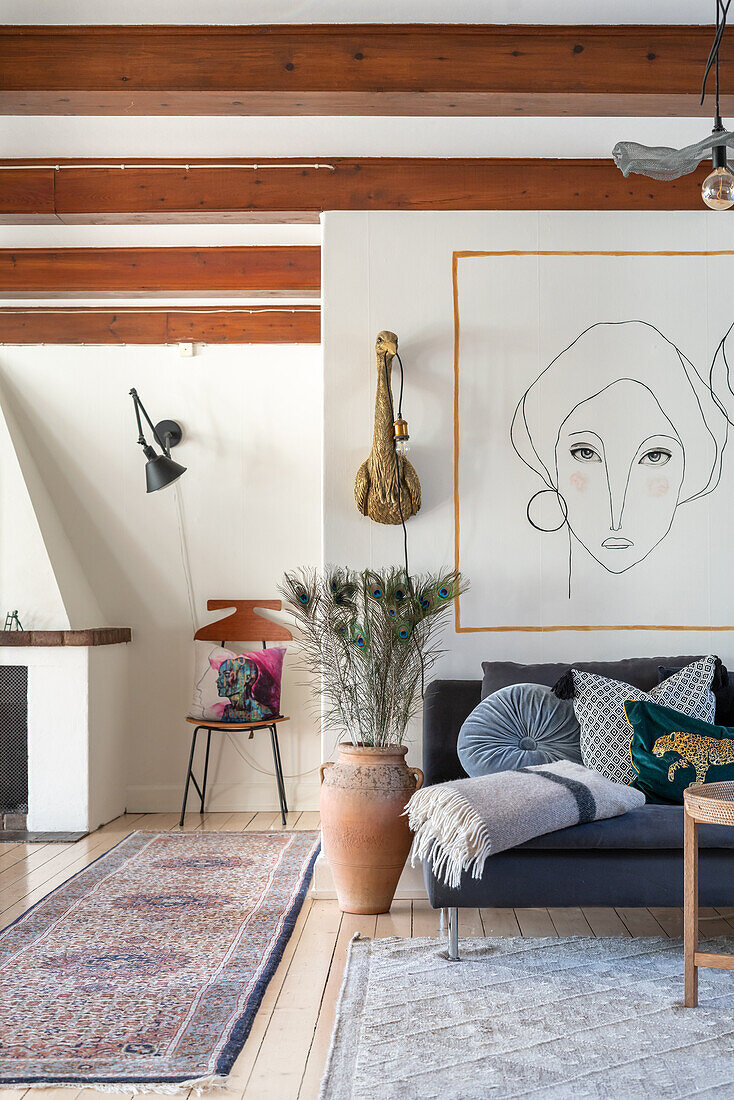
[188,775]
[206,767]
[280,767]
[281,796]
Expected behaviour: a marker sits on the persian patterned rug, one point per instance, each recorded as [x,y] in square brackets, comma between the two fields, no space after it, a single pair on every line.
[541,1018]
[146,969]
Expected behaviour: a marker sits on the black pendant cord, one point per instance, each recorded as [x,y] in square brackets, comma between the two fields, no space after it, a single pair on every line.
[409,582]
[402,383]
[716,71]
[718,125]
[397,462]
[722,10]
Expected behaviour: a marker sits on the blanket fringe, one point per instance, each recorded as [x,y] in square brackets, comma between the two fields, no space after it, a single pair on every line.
[198,1085]
[449,833]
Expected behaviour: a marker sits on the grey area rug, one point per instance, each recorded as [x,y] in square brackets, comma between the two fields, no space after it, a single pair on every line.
[551,1018]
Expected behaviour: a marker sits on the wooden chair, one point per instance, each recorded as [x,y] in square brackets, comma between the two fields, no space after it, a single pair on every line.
[241,626]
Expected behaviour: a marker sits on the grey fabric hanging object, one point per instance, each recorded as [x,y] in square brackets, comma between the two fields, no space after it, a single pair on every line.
[662,163]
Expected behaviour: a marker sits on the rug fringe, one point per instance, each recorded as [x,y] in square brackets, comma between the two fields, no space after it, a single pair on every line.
[449,832]
[199,1085]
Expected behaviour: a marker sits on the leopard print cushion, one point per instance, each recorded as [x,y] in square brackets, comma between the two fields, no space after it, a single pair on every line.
[670,751]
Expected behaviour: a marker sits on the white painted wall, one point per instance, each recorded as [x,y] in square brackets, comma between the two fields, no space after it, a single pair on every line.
[54,591]
[251,499]
[26,574]
[393,270]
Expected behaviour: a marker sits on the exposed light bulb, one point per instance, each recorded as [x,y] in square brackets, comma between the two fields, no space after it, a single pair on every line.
[717,190]
[401,436]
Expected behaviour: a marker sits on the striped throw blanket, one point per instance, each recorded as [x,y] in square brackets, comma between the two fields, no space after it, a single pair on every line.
[458,824]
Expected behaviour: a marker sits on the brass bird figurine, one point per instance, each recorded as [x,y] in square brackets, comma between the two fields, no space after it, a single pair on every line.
[378,478]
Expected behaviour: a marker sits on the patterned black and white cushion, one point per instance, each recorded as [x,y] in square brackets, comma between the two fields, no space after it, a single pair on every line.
[605,732]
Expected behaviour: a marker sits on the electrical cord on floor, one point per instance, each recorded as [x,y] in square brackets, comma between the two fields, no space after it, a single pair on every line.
[264,771]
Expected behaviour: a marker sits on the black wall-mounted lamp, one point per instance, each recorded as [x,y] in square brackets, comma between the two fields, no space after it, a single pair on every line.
[160,470]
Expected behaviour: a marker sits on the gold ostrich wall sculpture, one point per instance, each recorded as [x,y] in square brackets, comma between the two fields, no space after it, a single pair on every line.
[378,479]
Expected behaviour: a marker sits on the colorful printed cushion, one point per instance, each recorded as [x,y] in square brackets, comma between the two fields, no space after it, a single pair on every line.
[237,687]
[599,705]
[519,726]
[670,751]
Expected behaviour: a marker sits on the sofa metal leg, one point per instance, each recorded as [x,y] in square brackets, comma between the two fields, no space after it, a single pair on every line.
[453,944]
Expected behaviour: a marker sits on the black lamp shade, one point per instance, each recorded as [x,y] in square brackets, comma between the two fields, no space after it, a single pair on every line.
[161,471]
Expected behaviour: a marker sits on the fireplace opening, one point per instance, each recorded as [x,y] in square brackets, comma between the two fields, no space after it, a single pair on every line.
[13,746]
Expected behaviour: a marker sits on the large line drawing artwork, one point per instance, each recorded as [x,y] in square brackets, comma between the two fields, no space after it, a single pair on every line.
[621,430]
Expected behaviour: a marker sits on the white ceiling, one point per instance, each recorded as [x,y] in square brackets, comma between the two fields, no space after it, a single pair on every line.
[357,11]
[42,136]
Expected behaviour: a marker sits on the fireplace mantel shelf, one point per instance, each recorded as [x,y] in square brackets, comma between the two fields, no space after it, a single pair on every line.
[101,635]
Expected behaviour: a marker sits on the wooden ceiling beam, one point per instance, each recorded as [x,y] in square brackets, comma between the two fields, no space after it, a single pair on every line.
[383,69]
[200,324]
[251,272]
[87,194]
[27,197]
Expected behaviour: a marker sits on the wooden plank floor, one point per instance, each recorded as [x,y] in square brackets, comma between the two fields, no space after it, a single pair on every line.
[284,1056]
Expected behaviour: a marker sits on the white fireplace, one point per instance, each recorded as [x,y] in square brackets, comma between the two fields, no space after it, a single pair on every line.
[76,733]
[77,667]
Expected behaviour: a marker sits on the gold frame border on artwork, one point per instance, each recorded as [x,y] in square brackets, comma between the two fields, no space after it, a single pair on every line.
[460,255]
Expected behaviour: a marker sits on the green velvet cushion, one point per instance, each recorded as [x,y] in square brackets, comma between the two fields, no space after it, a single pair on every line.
[671,751]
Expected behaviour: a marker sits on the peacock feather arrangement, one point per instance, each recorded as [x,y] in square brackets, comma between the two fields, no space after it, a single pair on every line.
[368,639]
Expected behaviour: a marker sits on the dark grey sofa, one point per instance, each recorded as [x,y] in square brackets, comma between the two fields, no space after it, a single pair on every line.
[633,860]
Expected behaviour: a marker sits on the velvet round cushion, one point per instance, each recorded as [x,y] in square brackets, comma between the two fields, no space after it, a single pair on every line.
[517,727]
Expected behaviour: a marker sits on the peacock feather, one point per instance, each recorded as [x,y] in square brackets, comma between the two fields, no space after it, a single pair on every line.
[367,639]
[301,592]
[434,593]
[374,585]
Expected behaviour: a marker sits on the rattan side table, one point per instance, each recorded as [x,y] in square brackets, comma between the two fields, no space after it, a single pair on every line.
[712,804]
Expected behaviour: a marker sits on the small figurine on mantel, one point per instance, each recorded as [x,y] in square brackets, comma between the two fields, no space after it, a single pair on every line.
[12,622]
[386,484]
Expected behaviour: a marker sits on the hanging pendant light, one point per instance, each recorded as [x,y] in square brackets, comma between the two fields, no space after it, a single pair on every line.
[663,163]
[717,190]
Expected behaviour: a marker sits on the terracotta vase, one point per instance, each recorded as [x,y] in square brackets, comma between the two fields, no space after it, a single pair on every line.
[366,839]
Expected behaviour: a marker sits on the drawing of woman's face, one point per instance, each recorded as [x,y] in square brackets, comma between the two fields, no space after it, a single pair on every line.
[619,467]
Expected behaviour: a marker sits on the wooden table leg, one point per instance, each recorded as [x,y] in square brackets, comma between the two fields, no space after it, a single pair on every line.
[690,909]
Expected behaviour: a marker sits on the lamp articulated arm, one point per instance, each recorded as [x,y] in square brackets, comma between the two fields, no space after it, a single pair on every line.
[140,407]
